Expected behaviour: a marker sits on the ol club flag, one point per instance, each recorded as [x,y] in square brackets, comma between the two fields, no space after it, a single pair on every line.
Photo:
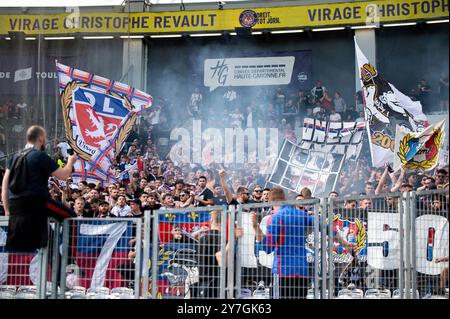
[98,116]
[419,151]
[385,107]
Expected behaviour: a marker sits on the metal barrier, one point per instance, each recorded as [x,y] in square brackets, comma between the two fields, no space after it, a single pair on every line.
[101,258]
[284,260]
[429,246]
[188,253]
[29,275]
[373,247]
[364,247]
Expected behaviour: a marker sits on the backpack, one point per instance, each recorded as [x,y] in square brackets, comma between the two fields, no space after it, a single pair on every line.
[18,174]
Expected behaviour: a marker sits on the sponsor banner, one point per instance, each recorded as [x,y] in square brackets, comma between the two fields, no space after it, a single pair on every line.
[418,151]
[362,12]
[20,74]
[385,107]
[248,71]
[291,68]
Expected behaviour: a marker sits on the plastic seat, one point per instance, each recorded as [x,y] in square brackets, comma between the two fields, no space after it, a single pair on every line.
[100,290]
[27,289]
[5,294]
[122,290]
[9,288]
[245,294]
[79,289]
[25,295]
[122,296]
[350,294]
[377,294]
[93,295]
[396,294]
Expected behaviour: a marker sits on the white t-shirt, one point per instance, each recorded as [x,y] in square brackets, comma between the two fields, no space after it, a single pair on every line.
[155,119]
[317,109]
[64,146]
[336,117]
[120,211]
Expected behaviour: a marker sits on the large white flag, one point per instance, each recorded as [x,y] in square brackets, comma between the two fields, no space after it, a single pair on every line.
[385,108]
[418,151]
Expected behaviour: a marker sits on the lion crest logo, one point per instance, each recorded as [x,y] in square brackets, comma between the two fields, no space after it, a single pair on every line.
[91,125]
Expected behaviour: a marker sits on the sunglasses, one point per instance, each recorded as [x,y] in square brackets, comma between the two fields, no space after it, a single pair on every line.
[258,191]
[245,194]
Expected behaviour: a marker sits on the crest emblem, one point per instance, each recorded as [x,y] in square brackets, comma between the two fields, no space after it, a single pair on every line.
[96,118]
[417,154]
[248,18]
[353,232]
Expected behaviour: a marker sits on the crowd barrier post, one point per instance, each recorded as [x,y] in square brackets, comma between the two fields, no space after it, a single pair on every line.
[64,256]
[329,248]
[407,249]
[413,210]
[231,251]
[402,207]
[146,253]
[55,259]
[238,258]
[317,255]
[223,244]
[324,248]
[155,251]
[139,264]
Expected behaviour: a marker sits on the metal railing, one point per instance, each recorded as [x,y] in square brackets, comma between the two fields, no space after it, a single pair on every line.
[373,247]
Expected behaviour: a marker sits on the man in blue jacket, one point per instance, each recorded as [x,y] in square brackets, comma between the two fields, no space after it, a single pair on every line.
[286,237]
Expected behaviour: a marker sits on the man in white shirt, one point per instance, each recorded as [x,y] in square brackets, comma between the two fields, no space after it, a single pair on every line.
[335,117]
[121,209]
[64,146]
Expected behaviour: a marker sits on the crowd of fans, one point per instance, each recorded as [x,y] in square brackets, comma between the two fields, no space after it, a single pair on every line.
[149,178]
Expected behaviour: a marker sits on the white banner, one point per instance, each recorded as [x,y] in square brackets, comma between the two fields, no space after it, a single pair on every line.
[248,71]
[383,240]
[385,107]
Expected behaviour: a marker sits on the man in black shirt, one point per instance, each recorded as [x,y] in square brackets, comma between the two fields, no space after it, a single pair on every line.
[205,196]
[210,257]
[242,193]
[219,197]
[28,210]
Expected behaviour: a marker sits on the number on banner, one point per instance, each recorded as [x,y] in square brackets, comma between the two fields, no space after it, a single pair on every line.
[431,243]
[383,240]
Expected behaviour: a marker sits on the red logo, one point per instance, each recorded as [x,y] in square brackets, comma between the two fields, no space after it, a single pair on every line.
[95,128]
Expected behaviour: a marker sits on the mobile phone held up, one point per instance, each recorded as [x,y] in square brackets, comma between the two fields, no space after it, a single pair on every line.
[70,151]
[389,168]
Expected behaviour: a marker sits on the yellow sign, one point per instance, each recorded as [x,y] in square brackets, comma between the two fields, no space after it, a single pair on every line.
[320,15]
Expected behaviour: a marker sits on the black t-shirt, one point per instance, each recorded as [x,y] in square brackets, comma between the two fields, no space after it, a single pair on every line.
[220,200]
[207,194]
[138,192]
[153,207]
[39,168]
[208,246]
